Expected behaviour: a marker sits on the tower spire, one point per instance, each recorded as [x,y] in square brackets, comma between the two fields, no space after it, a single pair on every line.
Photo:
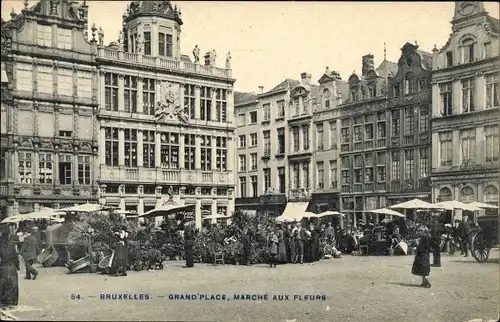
[385,52]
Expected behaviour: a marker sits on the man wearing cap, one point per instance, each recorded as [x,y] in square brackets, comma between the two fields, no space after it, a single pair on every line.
[188,244]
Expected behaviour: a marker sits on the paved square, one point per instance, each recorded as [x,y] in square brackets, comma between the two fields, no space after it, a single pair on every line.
[357,288]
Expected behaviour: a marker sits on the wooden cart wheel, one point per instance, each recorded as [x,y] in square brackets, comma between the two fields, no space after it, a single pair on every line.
[480,250]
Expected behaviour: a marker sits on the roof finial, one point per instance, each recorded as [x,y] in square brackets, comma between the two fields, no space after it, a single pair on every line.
[385,52]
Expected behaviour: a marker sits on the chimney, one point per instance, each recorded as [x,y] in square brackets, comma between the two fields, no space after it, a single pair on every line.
[261,89]
[305,78]
[368,64]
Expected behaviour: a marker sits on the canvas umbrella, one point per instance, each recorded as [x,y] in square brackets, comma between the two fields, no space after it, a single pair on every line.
[330,213]
[385,211]
[86,207]
[455,204]
[44,214]
[482,205]
[414,204]
[166,209]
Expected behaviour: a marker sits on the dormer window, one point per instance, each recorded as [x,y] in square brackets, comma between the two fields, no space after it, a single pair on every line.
[409,83]
[396,90]
[326,98]
[165,44]
[468,51]
[147,43]
[371,91]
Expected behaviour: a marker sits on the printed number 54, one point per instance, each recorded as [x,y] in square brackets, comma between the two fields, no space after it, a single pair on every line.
[76,296]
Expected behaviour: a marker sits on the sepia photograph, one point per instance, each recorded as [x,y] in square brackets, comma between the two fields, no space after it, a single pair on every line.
[233,161]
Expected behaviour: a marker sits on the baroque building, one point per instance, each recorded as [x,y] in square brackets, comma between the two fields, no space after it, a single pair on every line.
[49,135]
[364,141]
[262,148]
[409,110]
[166,122]
[326,132]
[465,109]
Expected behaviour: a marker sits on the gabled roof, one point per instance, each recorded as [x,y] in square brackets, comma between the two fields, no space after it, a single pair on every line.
[426,58]
[286,84]
[241,98]
[387,68]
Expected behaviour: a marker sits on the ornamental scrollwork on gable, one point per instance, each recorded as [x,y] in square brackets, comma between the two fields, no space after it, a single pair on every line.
[489,30]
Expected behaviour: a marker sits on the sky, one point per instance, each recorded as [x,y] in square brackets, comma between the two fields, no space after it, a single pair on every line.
[271,41]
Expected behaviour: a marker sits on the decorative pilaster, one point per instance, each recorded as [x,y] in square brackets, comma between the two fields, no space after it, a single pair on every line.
[480,97]
[436,104]
[213,143]
[101,91]
[36,130]
[231,155]
[230,106]
[457,95]
[181,151]
[102,143]
[456,159]
[213,110]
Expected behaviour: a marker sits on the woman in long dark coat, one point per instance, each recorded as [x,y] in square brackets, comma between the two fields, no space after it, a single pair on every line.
[292,241]
[281,245]
[315,234]
[119,266]
[272,249]
[421,263]
[9,265]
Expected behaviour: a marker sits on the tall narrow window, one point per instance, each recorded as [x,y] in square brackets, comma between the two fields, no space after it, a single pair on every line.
[305,131]
[319,137]
[189,101]
[396,90]
[84,84]
[111,146]
[395,166]
[333,174]
[221,105]
[45,80]
[409,121]
[449,59]
[266,109]
[333,135]
[267,142]
[492,94]
[65,82]
[296,139]
[206,152]
[409,84]
[296,176]
[111,92]
[161,44]
[492,142]
[65,169]
[307,181]
[243,162]
[424,162]
[221,154]
[345,134]
[169,150]
[424,119]
[168,45]
[253,161]
[130,146]
[255,186]
[243,187]
[395,123]
[189,151]
[320,175]
[205,103]
[24,77]
[267,180]
[446,93]
[467,146]
[446,148]
[281,180]
[130,94]
[46,168]
[84,169]
[409,164]
[281,108]
[148,149]
[147,43]
[346,177]
[281,141]
[148,96]
[468,51]
[358,134]
[468,97]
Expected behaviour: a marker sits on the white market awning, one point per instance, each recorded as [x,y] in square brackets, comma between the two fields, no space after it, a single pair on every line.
[385,211]
[454,204]
[482,205]
[294,211]
[414,204]
[86,207]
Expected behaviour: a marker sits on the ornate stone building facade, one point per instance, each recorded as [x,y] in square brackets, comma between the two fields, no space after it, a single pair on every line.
[465,109]
[409,109]
[166,123]
[49,137]
[364,141]
[326,132]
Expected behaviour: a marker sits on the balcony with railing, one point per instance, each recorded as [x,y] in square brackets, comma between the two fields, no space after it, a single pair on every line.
[368,144]
[115,174]
[357,187]
[297,194]
[380,186]
[409,139]
[120,57]
[381,142]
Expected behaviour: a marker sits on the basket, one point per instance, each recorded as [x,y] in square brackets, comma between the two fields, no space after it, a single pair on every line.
[48,257]
[79,264]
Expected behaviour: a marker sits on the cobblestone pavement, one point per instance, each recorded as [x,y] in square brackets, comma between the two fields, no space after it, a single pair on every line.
[357,288]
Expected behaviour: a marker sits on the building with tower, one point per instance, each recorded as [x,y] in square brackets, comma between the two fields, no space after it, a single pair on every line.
[166,121]
[465,109]
[49,134]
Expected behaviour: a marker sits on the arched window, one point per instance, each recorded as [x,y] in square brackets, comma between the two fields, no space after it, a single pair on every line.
[467,194]
[468,50]
[491,195]
[409,84]
[445,194]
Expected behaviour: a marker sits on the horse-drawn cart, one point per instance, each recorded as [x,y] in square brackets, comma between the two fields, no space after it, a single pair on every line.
[485,238]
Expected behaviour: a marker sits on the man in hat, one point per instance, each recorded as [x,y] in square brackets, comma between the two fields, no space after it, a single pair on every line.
[188,244]
[465,236]
[29,252]
[437,230]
